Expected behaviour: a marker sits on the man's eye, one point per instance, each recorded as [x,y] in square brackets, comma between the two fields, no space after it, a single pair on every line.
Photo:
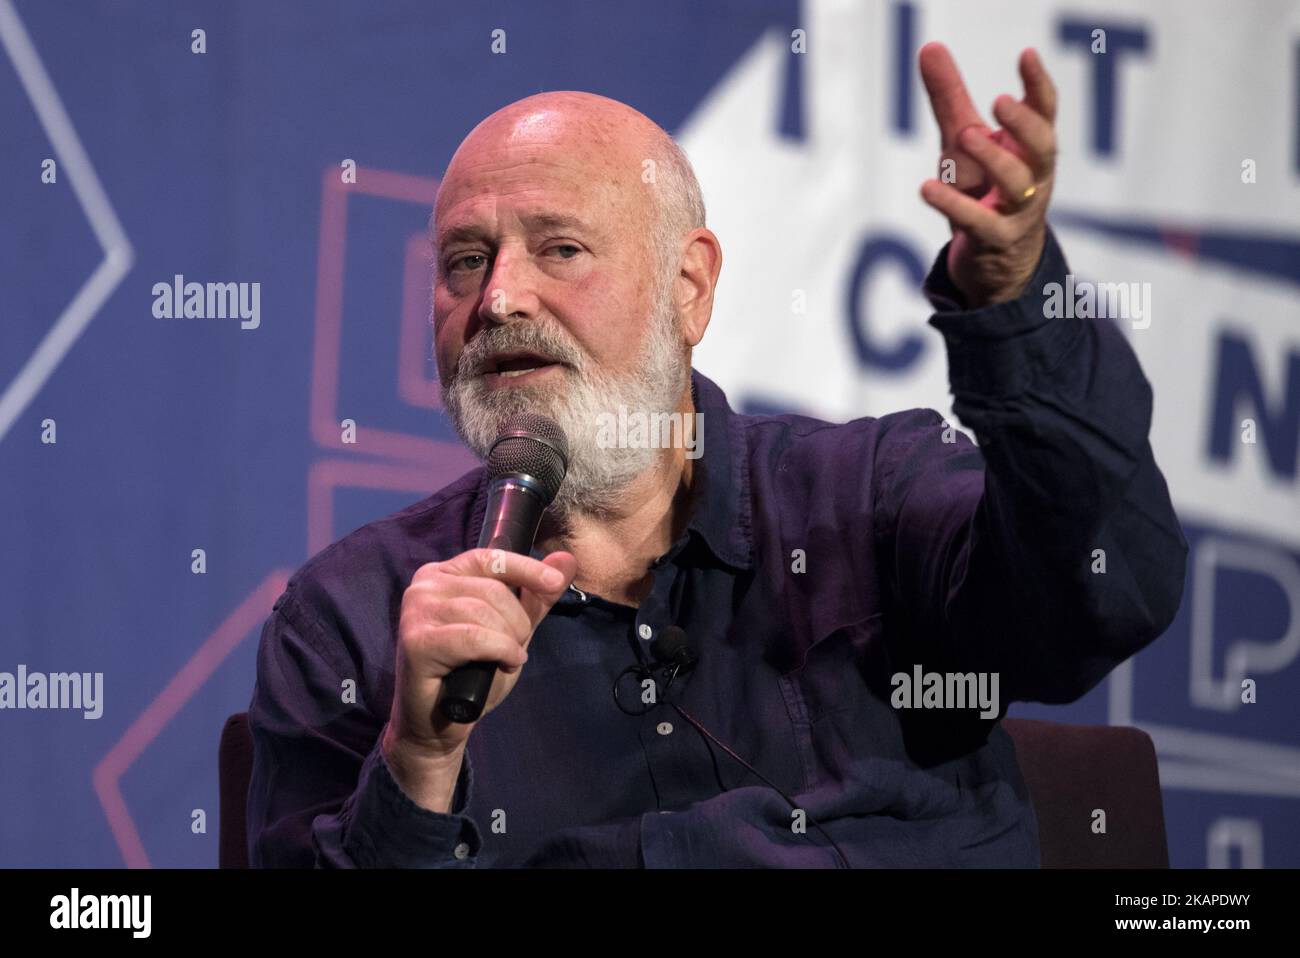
[566,250]
[468,261]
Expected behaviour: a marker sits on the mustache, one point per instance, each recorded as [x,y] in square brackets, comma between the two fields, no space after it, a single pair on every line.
[532,337]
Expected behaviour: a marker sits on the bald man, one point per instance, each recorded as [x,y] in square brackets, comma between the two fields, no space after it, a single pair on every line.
[860,601]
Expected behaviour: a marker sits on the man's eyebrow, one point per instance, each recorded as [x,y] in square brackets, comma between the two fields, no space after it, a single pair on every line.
[453,234]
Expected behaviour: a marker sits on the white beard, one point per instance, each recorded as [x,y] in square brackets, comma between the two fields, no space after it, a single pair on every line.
[578,401]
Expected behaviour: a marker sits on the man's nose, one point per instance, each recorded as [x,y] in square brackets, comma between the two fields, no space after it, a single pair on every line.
[511,288]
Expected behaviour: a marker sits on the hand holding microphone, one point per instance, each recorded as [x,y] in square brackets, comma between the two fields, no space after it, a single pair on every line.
[468,618]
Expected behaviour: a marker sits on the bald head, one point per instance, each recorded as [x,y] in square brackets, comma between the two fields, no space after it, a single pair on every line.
[574,277]
[626,159]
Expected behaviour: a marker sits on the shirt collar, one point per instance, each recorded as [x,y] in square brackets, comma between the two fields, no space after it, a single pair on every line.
[720,492]
[720,500]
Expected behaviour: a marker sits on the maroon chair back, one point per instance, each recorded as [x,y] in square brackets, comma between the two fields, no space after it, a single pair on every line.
[1073,770]
[234,768]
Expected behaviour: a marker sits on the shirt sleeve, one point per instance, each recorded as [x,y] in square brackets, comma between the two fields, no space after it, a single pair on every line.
[1050,553]
[320,793]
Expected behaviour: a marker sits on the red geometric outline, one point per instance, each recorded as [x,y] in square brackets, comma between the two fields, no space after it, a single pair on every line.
[421,466]
[329,312]
[107,776]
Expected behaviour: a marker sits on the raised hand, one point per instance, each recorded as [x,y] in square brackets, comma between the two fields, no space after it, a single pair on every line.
[1001,180]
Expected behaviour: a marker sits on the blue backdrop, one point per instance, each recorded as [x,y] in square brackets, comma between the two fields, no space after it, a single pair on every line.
[161,477]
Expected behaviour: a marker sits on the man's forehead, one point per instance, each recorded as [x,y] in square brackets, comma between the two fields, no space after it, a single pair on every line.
[537,194]
[477,221]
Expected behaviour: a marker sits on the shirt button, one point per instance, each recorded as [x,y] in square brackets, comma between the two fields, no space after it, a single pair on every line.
[461,850]
[644,631]
[664,728]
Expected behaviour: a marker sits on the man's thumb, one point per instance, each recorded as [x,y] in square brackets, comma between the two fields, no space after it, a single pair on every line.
[537,604]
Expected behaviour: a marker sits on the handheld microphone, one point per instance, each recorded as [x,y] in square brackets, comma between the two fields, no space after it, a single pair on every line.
[525,467]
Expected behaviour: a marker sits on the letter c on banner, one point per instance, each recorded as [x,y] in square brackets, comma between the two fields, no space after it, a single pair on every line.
[875,253]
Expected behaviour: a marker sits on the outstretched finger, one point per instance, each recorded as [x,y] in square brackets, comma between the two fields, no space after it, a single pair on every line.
[953,108]
[1040,92]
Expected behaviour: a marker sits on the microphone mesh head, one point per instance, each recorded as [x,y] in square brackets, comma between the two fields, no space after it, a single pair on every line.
[532,444]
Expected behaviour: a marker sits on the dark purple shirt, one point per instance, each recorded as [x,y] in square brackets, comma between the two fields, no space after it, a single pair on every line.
[820,561]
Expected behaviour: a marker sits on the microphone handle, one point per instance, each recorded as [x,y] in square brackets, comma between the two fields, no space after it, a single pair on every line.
[510,522]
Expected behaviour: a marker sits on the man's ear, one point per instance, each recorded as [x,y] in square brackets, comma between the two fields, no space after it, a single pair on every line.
[701,264]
